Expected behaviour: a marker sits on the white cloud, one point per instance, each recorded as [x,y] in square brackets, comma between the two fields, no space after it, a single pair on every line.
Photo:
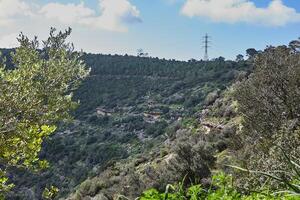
[66,13]
[114,15]
[233,11]
[9,40]
[11,9]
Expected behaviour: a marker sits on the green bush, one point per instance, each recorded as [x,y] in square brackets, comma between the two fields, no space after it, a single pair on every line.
[221,188]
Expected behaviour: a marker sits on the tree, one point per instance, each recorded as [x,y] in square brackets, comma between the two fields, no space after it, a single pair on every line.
[221,59]
[35,95]
[295,45]
[141,53]
[239,58]
[268,102]
[272,93]
[251,52]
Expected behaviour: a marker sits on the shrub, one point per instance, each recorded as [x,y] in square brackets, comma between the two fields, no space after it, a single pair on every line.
[220,188]
[268,101]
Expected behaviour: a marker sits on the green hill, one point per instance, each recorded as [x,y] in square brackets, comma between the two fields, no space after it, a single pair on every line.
[129,106]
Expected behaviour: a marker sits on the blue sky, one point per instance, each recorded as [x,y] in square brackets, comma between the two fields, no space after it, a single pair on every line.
[163,28]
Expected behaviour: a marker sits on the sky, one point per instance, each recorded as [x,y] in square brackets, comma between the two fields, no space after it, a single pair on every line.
[171,29]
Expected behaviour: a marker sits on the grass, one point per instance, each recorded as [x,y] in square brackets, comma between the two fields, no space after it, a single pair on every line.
[221,187]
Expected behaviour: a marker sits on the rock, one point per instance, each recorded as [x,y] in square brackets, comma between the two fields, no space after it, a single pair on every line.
[99,197]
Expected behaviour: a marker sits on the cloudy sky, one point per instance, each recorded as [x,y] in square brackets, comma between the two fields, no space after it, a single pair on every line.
[163,28]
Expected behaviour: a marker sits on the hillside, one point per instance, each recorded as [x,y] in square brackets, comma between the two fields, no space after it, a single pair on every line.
[243,143]
[129,107]
[192,148]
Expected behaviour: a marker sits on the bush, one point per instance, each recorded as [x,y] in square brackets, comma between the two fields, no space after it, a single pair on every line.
[211,98]
[269,103]
[156,129]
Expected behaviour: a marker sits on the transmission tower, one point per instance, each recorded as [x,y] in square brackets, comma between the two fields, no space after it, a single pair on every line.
[206,46]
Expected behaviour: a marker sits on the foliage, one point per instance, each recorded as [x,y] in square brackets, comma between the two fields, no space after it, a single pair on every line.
[293,184]
[295,45]
[251,52]
[272,92]
[50,193]
[4,186]
[35,95]
[239,58]
[268,102]
[221,188]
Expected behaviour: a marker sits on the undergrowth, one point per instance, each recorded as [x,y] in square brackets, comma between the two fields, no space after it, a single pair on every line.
[221,187]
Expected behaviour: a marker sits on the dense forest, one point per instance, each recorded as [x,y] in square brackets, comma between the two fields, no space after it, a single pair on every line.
[165,129]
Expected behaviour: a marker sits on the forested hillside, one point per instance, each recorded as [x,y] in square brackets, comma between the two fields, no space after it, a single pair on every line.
[149,100]
[156,129]
[243,143]
[128,107]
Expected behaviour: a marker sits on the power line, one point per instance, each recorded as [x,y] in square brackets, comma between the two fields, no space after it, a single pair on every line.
[206,42]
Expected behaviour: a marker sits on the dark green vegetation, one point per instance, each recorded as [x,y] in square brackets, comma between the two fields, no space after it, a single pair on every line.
[250,130]
[36,94]
[164,129]
[266,139]
[128,106]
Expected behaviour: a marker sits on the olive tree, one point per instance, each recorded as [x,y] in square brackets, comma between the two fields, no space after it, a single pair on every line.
[268,101]
[271,94]
[34,96]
